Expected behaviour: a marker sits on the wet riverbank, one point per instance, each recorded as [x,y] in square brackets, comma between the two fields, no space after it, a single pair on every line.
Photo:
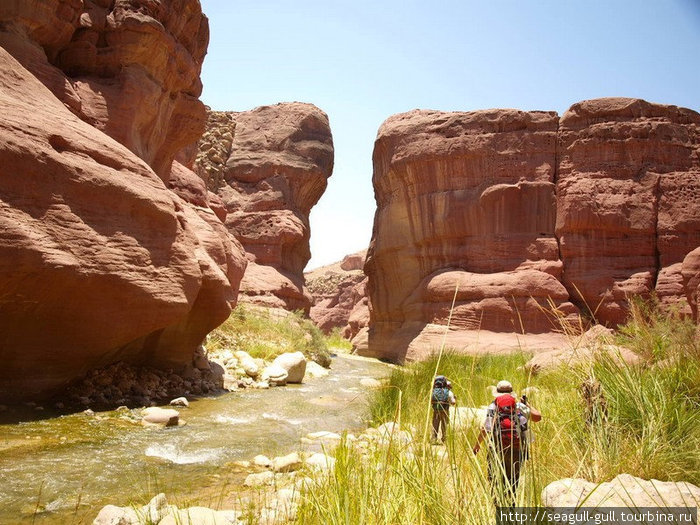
[64,469]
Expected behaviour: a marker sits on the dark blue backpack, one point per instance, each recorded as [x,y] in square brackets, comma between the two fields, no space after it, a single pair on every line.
[441,394]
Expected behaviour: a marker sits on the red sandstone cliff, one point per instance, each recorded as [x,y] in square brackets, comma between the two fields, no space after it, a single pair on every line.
[269,166]
[340,296]
[524,213]
[99,261]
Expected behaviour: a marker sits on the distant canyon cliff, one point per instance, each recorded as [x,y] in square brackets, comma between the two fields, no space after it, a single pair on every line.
[268,167]
[109,250]
[528,220]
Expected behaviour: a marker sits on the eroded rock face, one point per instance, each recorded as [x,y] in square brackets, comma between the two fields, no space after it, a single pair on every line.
[628,201]
[269,166]
[340,295]
[524,219]
[130,68]
[99,261]
[468,199]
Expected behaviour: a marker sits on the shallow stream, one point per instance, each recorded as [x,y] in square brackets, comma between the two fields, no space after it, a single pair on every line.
[63,469]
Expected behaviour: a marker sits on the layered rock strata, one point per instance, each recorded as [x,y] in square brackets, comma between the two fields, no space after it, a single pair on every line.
[340,296]
[99,261]
[519,221]
[269,166]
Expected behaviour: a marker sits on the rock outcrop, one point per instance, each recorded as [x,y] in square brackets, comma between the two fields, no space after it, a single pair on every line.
[524,219]
[269,166]
[340,296]
[99,261]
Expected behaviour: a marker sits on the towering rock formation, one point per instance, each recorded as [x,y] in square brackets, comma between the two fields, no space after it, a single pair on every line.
[99,261]
[628,201]
[269,166]
[524,219]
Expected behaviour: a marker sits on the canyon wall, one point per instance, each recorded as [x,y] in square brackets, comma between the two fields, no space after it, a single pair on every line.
[268,167]
[527,221]
[340,296]
[109,251]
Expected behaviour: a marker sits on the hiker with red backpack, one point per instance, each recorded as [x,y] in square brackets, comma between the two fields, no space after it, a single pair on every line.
[441,400]
[507,423]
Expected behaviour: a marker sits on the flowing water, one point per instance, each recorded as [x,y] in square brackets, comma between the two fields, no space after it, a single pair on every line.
[63,469]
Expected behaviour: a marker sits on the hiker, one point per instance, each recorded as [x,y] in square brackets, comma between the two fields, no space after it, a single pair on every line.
[442,399]
[507,423]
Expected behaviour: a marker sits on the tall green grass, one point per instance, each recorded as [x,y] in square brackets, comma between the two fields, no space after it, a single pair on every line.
[650,428]
[265,334]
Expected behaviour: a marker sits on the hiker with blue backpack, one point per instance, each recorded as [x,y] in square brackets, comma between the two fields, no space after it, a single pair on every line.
[441,400]
[507,422]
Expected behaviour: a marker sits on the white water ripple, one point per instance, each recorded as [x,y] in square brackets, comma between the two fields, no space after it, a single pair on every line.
[170,452]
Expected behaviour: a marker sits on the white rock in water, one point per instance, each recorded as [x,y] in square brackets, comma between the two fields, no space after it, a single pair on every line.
[295,365]
[288,463]
[313,369]
[259,479]
[320,461]
[324,435]
[247,363]
[113,515]
[262,461]
[180,402]
[161,416]
[623,491]
[275,375]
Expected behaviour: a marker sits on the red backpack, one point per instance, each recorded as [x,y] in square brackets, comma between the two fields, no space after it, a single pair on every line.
[506,427]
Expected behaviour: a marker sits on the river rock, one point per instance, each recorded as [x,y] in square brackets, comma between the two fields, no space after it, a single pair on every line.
[272,167]
[161,416]
[288,463]
[262,461]
[295,365]
[201,516]
[113,515]
[623,491]
[275,375]
[314,370]
[179,402]
[324,437]
[247,363]
[319,461]
[259,479]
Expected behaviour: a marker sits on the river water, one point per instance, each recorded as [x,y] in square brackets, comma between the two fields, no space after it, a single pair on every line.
[63,469]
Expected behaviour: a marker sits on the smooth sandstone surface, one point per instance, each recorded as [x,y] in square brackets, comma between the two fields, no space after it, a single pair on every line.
[100,261]
[526,220]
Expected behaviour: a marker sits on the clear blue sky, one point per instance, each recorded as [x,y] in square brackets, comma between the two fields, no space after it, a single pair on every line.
[363,61]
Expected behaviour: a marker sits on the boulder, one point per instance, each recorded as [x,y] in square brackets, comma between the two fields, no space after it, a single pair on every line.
[319,461]
[269,166]
[294,363]
[200,516]
[179,402]
[315,370]
[247,363]
[570,356]
[259,479]
[161,416]
[288,463]
[623,491]
[113,515]
[262,461]
[275,375]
